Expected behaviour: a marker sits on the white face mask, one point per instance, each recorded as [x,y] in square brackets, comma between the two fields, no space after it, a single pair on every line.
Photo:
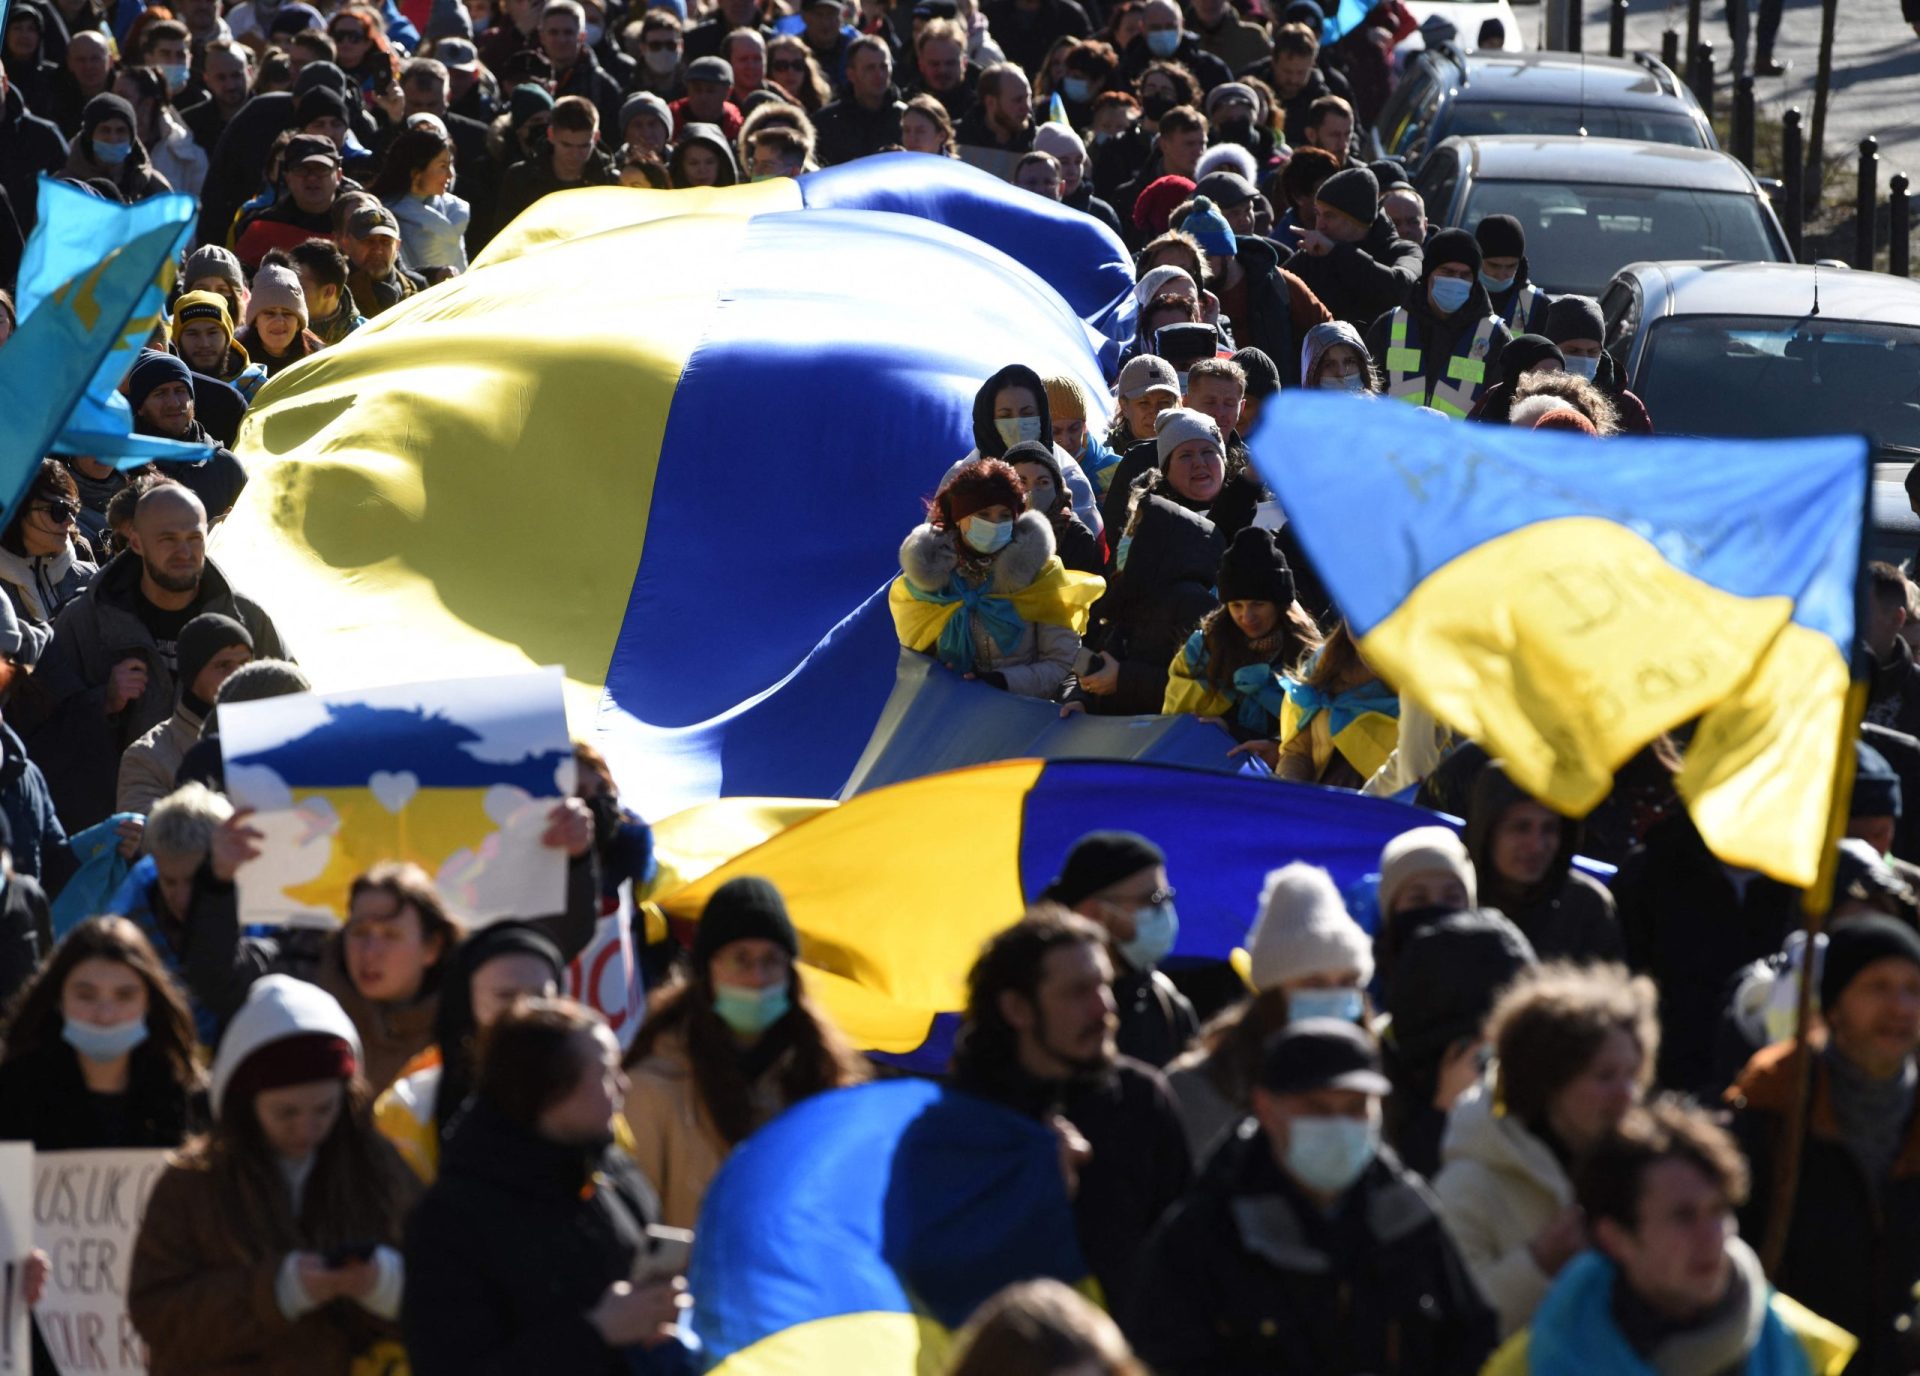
[660,63]
[988,537]
[1329,1154]
[1352,382]
[1040,497]
[1017,429]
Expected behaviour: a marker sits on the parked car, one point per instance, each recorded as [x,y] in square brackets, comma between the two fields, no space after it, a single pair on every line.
[1739,350]
[1449,92]
[1591,205]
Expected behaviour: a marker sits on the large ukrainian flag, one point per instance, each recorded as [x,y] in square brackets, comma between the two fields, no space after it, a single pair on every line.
[1565,601]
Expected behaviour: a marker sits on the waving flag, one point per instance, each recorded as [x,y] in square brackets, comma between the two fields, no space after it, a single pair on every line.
[887,931]
[857,1230]
[1565,603]
[687,487]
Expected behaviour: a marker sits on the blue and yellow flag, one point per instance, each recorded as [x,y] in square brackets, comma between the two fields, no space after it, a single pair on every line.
[91,286]
[1565,602]
[855,1232]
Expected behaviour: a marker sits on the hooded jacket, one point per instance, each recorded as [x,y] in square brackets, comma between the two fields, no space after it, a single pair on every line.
[708,137]
[1078,548]
[148,769]
[39,841]
[29,146]
[1162,587]
[1567,915]
[1271,307]
[40,586]
[1357,282]
[178,156]
[135,177]
[988,444]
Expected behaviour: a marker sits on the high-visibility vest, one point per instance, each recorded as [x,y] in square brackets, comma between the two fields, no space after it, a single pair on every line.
[1466,376]
[1521,311]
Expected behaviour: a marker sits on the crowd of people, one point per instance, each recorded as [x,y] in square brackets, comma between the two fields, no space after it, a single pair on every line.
[1506,1111]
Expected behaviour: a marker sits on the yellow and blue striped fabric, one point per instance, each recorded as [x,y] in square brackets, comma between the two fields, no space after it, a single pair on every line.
[1564,602]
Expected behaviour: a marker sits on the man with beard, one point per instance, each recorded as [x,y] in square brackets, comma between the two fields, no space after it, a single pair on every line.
[1038,1036]
[202,333]
[109,675]
[160,390]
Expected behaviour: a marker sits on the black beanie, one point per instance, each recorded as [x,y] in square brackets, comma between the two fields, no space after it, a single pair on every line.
[1855,943]
[1353,192]
[1451,246]
[1263,378]
[1101,859]
[747,908]
[319,103]
[1876,788]
[1500,236]
[107,106]
[1254,570]
[204,637]
[1575,317]
[1525,350]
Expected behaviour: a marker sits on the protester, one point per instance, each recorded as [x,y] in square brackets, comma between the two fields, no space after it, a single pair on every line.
[202,334]
[1304,1247]
[322,269]
[170,145]
[1515,301]
[371,241]
[1334,358]
[41,567]
[1338,719]
[271,1243]
[211,648]
[722,1054]
[311,168]
[1442,348]
[529,1250]
[108,148]
[1523,858]
[1350,258]
[1573,1052]
[1576,326]
[1230,668]
[570,155]
[160,389]
[276,334]
[1269,305]
[1541,394]
[1047,493]
[1305,958]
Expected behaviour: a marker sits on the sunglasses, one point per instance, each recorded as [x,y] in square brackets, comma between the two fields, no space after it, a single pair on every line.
[61,513]
[349,35]
[787,65]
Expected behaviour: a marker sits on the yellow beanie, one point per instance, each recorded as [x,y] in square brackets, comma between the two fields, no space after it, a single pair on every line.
[200,305]
[1065,400]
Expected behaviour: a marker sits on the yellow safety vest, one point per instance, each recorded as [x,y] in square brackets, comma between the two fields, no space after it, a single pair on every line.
[1466,371]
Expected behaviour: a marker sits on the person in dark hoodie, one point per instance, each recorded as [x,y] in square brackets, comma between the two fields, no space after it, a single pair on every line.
[1577,328]
[1524,353]
[108,147]
[1442,348]
[1523,855]
[1352,259]
[1519,305]
[1011,408]
[1047,494]
[703,158]
[160,391]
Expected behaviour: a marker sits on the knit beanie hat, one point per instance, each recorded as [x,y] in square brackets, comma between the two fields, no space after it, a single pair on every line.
[1155,282]
[1876,788]
[1254,570]
[1210,230]
[1525,351]
[1263,375]
[1099,860]
[1065,400]
[1566,418]
[1059,139]
[210,260]
[204,637]
[1451,246]
[1388,173]
[1353,192]
[152,370]
[106,106]
[200,305]
[288,1032]
[644,102]
[1500,236]
[1303,929]
[275,286]
[1226,189]
[1156,204]
[1176,425]
[1855,943]
[264,678]
[526,102]
[319,103]
[1032,451]
[1423,850]
[1574,317]
[747,908]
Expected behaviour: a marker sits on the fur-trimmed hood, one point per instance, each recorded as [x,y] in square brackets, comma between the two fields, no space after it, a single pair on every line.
[929,555]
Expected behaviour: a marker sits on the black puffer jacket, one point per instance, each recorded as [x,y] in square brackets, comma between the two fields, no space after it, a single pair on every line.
[1567,915]
[1153,603]
[1360,280]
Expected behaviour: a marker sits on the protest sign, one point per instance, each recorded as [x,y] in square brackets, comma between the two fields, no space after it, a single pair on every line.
[458,777]
[16,1240]
[87,1207]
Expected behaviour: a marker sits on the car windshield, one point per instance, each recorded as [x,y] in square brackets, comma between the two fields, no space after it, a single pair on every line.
[1746,376]
[1599,121]
[1579,235]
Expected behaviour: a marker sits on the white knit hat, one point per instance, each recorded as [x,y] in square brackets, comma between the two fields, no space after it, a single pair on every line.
[1423,850]
[1303,929]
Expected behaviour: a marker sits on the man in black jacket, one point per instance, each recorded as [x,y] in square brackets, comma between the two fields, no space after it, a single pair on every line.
[160,389]
[29,146]
[1442,348]
[1352,260]
[867,118]
[1306,1247]
[1164,39]
[1296,78]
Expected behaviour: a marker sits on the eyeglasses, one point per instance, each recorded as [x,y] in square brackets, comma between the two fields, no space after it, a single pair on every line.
[61,513]
[1152,900]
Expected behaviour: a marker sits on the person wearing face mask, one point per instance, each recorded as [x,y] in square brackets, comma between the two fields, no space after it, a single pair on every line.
[41,566]
[1118,880]
[1027,29]
[272,1243]
[1047,494]
[983,590]
[175,153]
[108,147]
[1164,38]
[1575,325]
[1305,958]
[1334,359]
[1573,1052]
[1442,348]
[1305,1247]
[1516,302]
[1011,408]
[1424,873]
[724,1053]
[1523,856]
[1523,355]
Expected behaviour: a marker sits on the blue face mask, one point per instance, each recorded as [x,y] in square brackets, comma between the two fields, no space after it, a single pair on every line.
[104,1043]
[1163,42]
[1496,285]
[1449,294]
[750,1012]
[1076,89]
[1155,929]
[176,74]
[1588,368]
[1343,1004]
[1017,429]
[112,154]
[988,537]
[1352,382]
[1329,1154]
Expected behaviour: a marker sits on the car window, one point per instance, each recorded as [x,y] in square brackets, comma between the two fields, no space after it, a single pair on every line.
[1579,235]
[1394,114]
[1436,185]
[1599,121]
[1747,376]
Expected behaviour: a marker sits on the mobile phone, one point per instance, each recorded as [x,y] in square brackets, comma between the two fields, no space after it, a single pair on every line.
[667,1253]
[352,1251]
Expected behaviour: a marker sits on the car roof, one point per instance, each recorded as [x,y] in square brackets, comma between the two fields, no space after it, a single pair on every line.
[1556,78]
[1777,290]
[1626,162]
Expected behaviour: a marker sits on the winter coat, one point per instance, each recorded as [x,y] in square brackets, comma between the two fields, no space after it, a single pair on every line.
[148,768]
[1207,1112]
[1245,1276]
[29,146]
[1761,1332]
[1207,69]
[217,480]
[1247,706]
[987,442]
[26,934]
[205,1264]
[1041,657]
[178,156]
[135,177]
[1357,282]
[44,1100]
[69,727]
[345,319]
[1439,337]
[1278,303]
[39,586]
[1893,695]
[1156,1019]
[513,1245]
[433,232]
[1499,1185]
[526,182]
[586,78]
[39,847]
[1567,915]
[1236,42]
[1025,35]
[374,295]
[1853,1249]
[1162,587]
[846,129]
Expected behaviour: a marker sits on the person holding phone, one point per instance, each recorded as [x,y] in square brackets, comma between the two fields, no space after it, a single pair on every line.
[270,1245]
